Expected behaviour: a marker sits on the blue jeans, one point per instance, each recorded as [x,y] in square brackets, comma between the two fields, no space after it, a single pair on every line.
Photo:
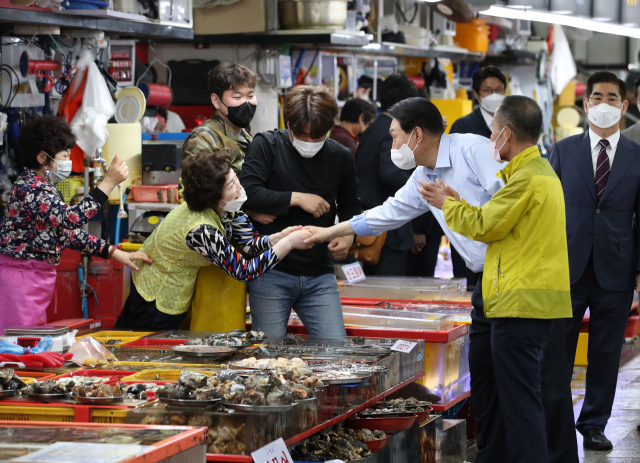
[315,300]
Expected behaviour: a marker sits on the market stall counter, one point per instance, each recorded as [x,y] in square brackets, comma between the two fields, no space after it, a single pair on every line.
[43,441]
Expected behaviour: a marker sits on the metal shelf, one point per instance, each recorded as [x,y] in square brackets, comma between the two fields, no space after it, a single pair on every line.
[121,27]
[310,38]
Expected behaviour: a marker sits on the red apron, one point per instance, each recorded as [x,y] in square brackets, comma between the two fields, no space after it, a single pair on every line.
[26,290]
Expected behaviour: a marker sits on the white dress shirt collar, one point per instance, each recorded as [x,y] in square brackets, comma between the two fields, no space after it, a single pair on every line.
[488,118]
[594,138]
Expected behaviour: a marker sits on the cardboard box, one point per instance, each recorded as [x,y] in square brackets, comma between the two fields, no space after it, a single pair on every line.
[246,16]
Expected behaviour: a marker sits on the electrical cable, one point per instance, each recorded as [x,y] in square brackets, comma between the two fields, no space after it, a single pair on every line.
[155,60]
[6,66]
[402,12]
[10,86]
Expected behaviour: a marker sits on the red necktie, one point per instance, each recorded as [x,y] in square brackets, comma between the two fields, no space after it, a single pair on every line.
[603,168]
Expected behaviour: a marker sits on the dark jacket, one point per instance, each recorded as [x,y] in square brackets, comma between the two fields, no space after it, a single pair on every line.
[273,169]
[379,178]
[472,123]
[345,138]
[606,229]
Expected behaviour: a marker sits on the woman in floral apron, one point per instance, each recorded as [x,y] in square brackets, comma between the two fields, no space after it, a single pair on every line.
[38,225]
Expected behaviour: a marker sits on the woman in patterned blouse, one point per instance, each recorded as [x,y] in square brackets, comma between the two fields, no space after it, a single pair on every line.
[38,224]
[201,231]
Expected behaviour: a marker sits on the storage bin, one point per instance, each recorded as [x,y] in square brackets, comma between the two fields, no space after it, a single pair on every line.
[68,188]
[149,193]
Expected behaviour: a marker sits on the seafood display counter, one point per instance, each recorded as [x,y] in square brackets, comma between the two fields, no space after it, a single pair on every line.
[407,288]
[246,390]
[40,441]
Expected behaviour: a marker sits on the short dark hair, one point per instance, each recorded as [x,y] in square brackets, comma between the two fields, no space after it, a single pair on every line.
[484,73]
[312,106]
[523,116]
[418,112]
[394,89]
[636,85]
[230,76]
[203,176]
[353,108]
[50,134]
[605,77]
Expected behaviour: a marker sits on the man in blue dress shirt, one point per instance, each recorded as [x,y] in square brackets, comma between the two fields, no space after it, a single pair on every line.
[464,163]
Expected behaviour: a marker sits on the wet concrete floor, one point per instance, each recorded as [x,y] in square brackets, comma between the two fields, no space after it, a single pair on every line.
[625,417]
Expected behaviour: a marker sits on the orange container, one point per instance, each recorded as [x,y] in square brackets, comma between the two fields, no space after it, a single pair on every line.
[149,193]
[474,35]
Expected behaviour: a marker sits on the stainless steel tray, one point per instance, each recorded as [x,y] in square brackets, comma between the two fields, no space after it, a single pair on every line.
[188,402]
[346,380]
[97,400]
[8,393]
[189,352]
[259,408]
[35,330]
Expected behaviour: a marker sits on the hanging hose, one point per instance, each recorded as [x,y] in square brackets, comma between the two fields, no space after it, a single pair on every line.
[83,293]
[124,200]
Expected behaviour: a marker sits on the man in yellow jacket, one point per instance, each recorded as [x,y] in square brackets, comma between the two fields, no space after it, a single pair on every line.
[526,276]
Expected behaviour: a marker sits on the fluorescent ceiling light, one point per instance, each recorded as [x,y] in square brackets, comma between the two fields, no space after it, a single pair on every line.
[563,20]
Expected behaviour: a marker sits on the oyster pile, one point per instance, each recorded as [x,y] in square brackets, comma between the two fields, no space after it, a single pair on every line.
[270,364]
[97,390]
[191,386]
[340,444]
[9,381]
[291,339]
[411,402]
[139,391]
[227,439]
[230,339]
[48,386]
[281,387]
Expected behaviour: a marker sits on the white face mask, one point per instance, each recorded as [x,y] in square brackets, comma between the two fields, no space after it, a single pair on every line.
[496,152]
[63,170]
[305,148]
[490,103]
[404,157]
[604,116]
[235,204]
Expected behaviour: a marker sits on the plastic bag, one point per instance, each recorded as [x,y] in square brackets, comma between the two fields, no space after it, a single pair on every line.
[90,122]
[43,346]
[87,352]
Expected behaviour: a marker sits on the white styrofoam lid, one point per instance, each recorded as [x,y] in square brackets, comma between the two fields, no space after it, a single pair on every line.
[568,117]
[128,110]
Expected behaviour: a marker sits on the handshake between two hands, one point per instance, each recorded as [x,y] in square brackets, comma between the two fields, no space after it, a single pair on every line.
[299,237]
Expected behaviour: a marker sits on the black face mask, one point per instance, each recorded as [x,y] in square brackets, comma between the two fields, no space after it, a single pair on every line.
[241,116]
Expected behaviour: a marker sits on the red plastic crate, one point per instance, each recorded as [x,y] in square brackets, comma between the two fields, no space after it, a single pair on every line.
[153,343]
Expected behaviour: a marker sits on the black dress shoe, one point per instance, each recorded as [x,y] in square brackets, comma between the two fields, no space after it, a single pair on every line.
[594,439]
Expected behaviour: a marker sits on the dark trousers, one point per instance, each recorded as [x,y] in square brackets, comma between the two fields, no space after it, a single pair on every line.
[424,263]
[505,365]
[139,314]
[609,313]
[392,263]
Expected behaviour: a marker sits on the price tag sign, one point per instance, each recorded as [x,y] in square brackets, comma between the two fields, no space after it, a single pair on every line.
[275,452]
[404,346]
[354,272]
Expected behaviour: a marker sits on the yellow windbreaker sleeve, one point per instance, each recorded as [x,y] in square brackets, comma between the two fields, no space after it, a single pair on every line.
[496,218]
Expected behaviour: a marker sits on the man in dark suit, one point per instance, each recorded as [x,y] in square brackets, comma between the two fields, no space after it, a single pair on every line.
[379,178]
[489,86]
[600,174]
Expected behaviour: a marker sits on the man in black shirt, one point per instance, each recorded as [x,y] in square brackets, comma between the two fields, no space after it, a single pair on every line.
[303,178]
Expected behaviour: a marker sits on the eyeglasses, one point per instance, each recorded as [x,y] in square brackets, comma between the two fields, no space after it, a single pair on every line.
[610,100]
[486,91]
